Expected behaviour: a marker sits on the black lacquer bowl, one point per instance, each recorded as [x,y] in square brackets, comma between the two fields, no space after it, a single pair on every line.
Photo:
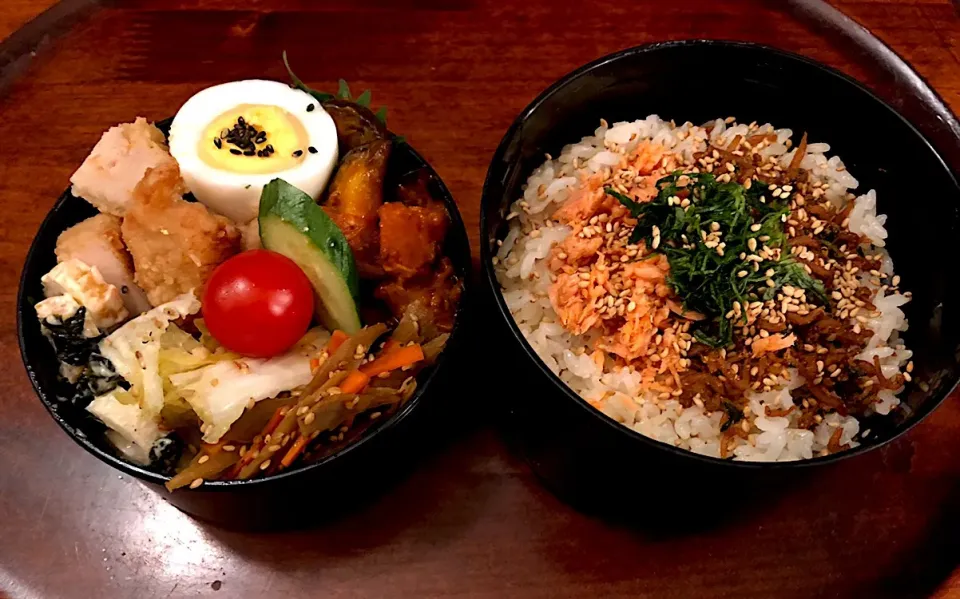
[294,497]
[584,455]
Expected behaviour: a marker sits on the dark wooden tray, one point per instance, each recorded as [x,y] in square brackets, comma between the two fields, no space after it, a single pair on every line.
[471,520]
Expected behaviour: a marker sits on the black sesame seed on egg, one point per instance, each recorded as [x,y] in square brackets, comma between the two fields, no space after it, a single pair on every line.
[310,108]
[312,150]
[297,153]
[235,151]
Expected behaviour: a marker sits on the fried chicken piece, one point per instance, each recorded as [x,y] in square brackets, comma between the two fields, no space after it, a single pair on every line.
[175,244]
[410,237]
[97,241]
[108,175]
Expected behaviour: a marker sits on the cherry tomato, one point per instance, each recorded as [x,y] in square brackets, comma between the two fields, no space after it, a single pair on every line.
[258,303]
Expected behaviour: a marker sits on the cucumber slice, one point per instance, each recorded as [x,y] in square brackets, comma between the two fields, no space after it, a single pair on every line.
[292,224]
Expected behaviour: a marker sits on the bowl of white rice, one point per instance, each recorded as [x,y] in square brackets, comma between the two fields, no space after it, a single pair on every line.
[721,256]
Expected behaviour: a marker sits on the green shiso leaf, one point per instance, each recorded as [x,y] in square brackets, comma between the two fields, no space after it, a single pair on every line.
[707,281]
[364,99]
[343,92]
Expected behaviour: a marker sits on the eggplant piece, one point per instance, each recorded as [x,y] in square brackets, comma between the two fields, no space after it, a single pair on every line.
[355,196]
[356,125]
[414,188]
[433,297]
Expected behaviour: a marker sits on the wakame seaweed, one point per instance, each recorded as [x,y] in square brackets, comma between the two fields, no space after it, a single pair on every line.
[95,374]
[70,344]
[683,219]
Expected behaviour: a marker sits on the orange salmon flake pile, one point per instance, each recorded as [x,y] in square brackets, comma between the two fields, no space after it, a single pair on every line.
[602,283]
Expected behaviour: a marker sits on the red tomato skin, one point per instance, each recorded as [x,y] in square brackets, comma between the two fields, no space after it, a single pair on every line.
[258,303]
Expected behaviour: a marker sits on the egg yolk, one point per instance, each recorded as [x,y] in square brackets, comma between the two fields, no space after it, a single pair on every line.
[254,139]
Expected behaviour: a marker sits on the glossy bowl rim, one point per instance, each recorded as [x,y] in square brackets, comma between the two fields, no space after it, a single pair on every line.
[146,475]
[490,279]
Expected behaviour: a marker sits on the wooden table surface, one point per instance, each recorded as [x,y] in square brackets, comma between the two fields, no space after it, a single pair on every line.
[472,520]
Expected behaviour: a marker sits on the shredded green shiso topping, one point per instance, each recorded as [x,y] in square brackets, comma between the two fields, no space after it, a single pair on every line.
[718,238]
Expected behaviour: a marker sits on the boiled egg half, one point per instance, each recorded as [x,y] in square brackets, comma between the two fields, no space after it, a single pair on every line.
[232,139]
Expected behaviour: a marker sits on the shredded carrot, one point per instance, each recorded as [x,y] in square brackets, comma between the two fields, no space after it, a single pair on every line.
[388,347]
[295,450]
[355,382]
[274,421]
[314,364]
[336,340]
[257,443]
[398,358]
[234,471]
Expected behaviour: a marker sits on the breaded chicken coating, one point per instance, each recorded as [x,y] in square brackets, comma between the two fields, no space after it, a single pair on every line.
[108,175]
[97,241]
[175,244]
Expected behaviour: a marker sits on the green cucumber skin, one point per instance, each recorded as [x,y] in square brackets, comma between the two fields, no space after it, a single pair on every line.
[293,206]
[335,307]
[286,211]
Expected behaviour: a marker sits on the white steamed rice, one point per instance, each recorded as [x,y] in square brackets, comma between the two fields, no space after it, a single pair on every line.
[524,277]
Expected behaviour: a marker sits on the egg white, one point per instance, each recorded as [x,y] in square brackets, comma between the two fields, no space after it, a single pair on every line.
[237,195]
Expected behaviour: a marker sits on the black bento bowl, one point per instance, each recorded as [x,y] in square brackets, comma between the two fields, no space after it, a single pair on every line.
[296,496]
[582,454]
